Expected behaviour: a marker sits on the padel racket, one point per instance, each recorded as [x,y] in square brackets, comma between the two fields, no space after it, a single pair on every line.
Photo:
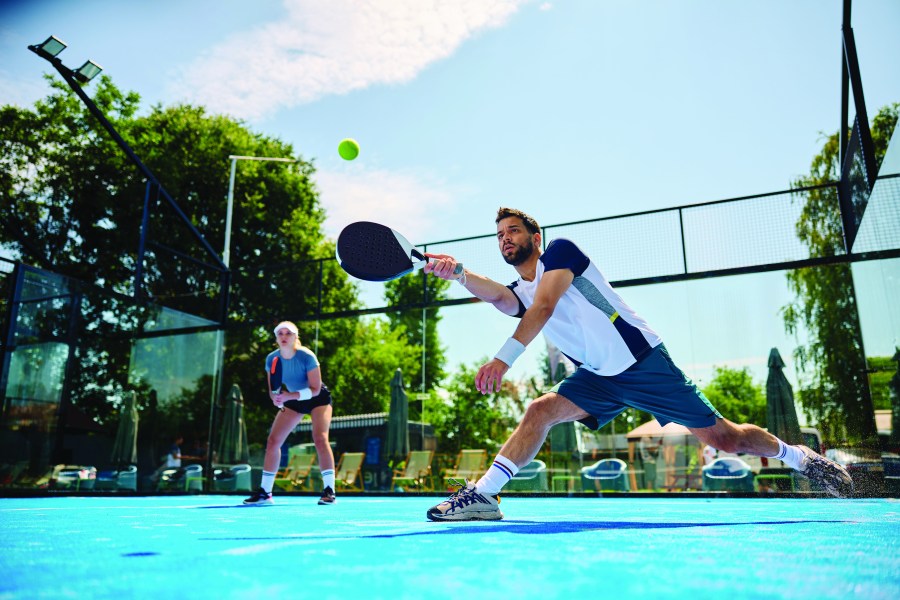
[375,252]
[275,376]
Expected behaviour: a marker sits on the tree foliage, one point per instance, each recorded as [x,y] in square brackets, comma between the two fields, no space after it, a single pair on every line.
[470,419]
[71,202]
[405,293]
[362,368]
[736,396]
[835,393]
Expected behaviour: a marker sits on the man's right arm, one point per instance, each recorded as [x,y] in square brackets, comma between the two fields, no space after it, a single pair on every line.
[503,298]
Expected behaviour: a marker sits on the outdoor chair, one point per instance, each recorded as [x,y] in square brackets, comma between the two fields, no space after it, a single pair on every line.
[189,478]
[607,474]
[193,478]
[73,477]
[416,473]
[232,479]
[348,474]
[126,479]
[296,474]
[122,479]
[530,478]
[470,465]
[727,474]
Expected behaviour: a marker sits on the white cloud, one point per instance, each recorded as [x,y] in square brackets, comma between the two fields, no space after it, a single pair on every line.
[408,203]
[334,47]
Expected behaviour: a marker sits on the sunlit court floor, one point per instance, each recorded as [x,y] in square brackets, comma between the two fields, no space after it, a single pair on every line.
[383,547]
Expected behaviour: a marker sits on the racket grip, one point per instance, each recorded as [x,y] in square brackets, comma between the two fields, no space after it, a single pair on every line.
[459,269]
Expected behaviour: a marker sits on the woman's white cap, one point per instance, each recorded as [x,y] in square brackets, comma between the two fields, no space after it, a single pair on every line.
[285,325]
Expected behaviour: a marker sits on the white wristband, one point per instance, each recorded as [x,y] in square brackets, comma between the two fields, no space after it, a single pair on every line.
[305,394]
[510,351]
[462,278]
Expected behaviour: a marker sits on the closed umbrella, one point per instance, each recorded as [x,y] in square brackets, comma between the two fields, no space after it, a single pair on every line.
[781,414]
[125,447]
[895,402]
[233,448]
[397,446]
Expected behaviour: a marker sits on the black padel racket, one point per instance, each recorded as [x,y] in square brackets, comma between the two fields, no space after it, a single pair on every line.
[375,252]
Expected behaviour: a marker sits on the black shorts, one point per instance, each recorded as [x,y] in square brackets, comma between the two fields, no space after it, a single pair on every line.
[304,407]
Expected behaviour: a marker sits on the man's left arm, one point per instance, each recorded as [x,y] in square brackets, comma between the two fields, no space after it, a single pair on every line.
[550,289]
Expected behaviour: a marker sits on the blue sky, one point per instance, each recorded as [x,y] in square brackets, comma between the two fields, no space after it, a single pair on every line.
[568,110]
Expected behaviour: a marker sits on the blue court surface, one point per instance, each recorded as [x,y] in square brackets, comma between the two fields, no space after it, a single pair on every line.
[383,547]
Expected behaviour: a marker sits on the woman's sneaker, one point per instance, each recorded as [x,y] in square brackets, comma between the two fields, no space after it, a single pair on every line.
[466,504]
[260,498]
[828,474]
[327,496]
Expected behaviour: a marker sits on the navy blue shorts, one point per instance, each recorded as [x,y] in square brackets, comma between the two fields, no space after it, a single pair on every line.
[304,407]
[653,384]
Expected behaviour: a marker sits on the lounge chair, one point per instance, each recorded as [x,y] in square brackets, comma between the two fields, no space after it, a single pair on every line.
[470,465]
[296,474]
[416,473]
[348,474]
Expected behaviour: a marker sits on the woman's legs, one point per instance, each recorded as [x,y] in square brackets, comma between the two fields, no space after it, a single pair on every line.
[321,421]
[285,422]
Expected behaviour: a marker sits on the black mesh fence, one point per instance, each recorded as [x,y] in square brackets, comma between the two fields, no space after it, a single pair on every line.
[753,233]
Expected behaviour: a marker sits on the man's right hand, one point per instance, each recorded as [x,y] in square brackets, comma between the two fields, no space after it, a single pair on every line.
[442,265]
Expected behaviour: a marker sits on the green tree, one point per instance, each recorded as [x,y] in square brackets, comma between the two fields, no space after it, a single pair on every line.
[470,419]
[72,204]
[361,369]
[736,396]
[881,370]
[404,294]
[836,392]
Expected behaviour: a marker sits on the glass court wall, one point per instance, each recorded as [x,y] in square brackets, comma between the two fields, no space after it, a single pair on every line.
[713,283]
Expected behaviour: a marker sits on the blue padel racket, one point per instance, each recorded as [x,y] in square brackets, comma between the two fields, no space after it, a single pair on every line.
[275,376]
[374,252]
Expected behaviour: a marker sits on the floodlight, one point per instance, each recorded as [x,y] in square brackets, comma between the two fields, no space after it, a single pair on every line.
[51,46]
[87,71]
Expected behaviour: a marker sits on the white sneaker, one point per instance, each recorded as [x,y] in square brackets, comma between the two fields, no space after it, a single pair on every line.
[466,504]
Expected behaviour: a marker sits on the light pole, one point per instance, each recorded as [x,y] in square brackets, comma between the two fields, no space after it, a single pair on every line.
[226,254]
[226,259]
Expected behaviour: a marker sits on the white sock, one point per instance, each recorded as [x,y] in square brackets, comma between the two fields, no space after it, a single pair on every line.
[496,477]
[268,480]
[792,456]
[328,479]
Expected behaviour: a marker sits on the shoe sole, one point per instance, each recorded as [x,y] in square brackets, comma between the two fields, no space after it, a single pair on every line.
[470,516]
[327,503]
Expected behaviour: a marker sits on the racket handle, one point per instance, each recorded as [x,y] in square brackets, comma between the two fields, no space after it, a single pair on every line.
[459,266]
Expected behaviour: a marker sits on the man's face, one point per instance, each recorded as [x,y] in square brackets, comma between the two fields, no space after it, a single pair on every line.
[516,243]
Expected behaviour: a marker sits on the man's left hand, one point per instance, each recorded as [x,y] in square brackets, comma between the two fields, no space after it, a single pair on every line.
[490,375]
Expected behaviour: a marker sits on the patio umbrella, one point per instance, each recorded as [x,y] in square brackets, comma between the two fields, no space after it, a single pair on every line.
[781,414]
[397,446]
[233,448]
[895,402]
[124,450]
